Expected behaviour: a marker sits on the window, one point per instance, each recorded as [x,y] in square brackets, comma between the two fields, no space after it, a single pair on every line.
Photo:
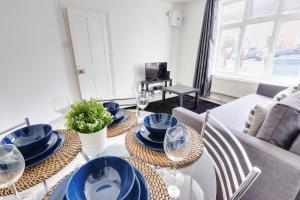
[259,39]
[228,49]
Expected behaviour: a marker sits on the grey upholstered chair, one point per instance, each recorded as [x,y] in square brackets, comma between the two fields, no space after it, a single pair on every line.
[235,173]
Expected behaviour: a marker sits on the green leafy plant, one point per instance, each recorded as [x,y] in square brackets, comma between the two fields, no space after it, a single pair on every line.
[88,116]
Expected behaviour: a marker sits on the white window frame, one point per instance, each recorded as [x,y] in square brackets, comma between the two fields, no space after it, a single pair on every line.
[278,18]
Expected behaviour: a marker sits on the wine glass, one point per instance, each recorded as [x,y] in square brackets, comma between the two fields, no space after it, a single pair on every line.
[177,145]
[12,165]
[61,105]
[142,101]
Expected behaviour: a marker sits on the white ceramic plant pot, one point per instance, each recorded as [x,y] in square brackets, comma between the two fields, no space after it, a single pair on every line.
[93,143]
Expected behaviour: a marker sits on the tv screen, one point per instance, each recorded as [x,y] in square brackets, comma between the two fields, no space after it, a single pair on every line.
[151,71]
[154,71]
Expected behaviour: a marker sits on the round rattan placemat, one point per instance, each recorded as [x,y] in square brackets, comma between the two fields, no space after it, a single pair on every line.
[43,171]
[156,186]
[157,158]
[121,128]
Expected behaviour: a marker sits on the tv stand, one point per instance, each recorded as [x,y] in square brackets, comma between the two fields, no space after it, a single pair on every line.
[150,82]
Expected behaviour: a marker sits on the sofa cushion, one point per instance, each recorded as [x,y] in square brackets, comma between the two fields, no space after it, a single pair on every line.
[235,113]
[257,116]
[282,124]
[287,92]
[295,148]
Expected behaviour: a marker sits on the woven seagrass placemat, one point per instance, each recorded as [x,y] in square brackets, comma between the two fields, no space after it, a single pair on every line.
[156,186]
[121,128]
[55,163]
[157,158]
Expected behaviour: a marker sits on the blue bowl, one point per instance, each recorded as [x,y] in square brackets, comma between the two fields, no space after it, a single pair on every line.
[102,178]
[30,138]
[158,123]
[112,107]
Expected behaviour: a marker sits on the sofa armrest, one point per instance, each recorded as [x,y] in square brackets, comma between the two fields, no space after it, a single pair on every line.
[269,90]
[195,121]
[189,118]
[280,168]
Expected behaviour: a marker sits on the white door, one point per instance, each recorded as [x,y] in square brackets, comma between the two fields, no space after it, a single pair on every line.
[91,51]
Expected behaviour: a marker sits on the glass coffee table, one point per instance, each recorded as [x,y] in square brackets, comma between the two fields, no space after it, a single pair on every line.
[199,178]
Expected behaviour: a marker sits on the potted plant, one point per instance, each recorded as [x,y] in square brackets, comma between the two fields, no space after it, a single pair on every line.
[90,119]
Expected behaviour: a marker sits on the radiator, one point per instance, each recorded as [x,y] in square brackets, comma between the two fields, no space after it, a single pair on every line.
[233,87]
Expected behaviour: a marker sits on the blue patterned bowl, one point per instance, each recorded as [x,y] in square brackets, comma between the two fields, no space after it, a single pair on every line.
[102,178]
[158,123]
[30,138]
[112,107]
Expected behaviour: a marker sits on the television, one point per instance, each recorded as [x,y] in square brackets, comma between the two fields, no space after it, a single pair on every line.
[155,71]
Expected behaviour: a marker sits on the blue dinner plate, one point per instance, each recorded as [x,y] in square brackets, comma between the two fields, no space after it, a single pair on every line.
[51,149]
[135,191]
[52,141]
[150,145]
[60,191]
[143,184]
[147,135]
[120,117]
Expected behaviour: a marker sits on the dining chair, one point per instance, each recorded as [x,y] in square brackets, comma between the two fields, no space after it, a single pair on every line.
[235,173]
[25,122]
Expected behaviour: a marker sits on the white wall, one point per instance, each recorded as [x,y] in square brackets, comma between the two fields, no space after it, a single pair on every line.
[34,68]
[139,33]
[36,61]
[189,40]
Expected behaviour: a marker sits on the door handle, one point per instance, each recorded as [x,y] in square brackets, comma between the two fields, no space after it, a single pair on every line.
[80,71]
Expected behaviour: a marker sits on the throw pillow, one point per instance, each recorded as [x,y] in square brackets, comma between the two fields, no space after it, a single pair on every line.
[256,117]
[295,148]
[285,93]
[282,124]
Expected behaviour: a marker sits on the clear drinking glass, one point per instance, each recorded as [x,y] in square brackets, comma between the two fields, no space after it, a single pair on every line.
[12,165]
[61,105]
[177,146]
[142,101]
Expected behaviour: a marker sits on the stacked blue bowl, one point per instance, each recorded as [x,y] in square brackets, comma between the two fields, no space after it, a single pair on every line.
[107,178]
[152,132]
[118,113]
[29,138]
[158,123]
[112,107]
[35,142]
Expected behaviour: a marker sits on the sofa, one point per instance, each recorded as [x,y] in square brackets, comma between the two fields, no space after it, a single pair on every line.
[280,177]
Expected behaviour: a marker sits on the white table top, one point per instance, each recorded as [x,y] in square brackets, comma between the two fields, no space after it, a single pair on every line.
[202,185]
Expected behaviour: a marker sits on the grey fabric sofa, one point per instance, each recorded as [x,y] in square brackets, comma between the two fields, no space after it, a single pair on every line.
[280,178]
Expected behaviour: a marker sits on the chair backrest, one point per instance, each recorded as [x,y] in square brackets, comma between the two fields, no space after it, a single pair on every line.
[234,170]
[25,122]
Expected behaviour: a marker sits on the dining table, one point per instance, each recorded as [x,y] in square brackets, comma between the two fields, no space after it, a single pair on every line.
[199,177]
